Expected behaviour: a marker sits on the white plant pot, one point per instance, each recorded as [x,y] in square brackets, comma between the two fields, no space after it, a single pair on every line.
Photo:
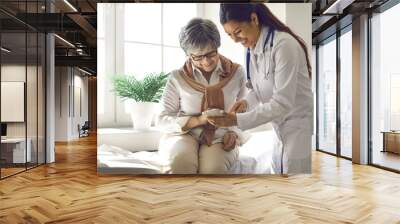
[142,114]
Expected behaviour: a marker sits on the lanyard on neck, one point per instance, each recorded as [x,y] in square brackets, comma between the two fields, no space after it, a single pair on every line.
[271,32]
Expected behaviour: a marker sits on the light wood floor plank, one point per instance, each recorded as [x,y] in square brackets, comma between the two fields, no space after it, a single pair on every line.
[70,191]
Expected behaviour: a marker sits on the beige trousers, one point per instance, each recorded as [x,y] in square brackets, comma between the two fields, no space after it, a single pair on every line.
[184,155]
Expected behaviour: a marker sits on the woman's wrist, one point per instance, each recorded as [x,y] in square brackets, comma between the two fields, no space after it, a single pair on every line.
[193,122]
[201,120]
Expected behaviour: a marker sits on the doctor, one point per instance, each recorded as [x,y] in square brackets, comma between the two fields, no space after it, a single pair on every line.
[279,78]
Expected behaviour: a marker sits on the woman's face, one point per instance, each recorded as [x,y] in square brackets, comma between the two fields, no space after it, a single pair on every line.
[205,59]
[246,33]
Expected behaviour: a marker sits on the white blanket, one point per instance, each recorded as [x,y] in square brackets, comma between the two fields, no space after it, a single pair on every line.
[254,158]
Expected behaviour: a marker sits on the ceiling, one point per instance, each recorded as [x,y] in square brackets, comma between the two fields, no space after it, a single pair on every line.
[331,15]
[76,24]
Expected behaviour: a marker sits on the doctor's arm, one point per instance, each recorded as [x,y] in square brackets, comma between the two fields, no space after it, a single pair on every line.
[251,99]
[246,98]
[287,54]
[169,119]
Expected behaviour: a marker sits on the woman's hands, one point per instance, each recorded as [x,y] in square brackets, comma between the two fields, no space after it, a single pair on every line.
[239,107]
[202,119]
[195,121]
[227,120]
[229,141]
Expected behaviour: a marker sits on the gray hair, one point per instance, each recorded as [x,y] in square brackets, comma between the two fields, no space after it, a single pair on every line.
[198,34]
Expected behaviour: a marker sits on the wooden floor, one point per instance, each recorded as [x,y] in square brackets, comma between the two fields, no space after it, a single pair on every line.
[70,191]
[10,171]
[387,159]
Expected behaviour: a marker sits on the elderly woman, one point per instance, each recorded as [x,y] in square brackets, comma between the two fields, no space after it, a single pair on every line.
[207,80]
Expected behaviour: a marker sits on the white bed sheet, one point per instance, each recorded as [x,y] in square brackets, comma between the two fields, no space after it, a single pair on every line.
[254,158]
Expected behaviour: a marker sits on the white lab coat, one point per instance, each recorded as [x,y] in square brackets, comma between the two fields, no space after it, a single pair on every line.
[281,94]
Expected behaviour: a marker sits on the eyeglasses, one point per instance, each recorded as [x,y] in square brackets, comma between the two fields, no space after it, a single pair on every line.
[201,57]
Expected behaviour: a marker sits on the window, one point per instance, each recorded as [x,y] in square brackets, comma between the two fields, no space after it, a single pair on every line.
[327,96]
[346,93]
[142,22]
[136,39]
[22,75]
[394,101]
[385,84]
[154,49]
[334,106]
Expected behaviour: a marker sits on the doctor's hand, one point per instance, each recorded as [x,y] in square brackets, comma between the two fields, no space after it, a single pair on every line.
[239,107]
[229,141]
[227,120]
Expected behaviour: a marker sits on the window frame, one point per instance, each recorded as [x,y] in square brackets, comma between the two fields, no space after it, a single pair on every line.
[334,37]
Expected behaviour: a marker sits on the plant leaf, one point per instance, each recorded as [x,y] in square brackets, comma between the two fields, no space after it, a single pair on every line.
[149,89]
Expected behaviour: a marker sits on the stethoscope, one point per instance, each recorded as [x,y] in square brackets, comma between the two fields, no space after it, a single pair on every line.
[270,35]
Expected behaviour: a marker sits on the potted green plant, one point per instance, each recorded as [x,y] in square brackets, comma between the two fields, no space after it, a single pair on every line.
[143,96]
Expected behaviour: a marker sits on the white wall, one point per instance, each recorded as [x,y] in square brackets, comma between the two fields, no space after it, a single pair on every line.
[82,82]
[61,103]
[16,73]
[12,101]
[298,18]
[69,82]
[278,9]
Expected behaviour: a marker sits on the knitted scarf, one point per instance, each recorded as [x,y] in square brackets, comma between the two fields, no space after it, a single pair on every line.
[213,96]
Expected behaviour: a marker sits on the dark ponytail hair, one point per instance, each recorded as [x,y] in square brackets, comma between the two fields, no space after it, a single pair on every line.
[242,13]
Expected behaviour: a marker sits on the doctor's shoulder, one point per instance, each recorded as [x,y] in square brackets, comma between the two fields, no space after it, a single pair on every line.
[286,41]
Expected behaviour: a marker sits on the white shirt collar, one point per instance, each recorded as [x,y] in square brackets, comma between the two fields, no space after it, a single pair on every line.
[199,75]
[259,49]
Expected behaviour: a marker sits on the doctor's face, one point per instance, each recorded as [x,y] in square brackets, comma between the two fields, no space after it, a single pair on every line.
[205,59]
[246,33]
